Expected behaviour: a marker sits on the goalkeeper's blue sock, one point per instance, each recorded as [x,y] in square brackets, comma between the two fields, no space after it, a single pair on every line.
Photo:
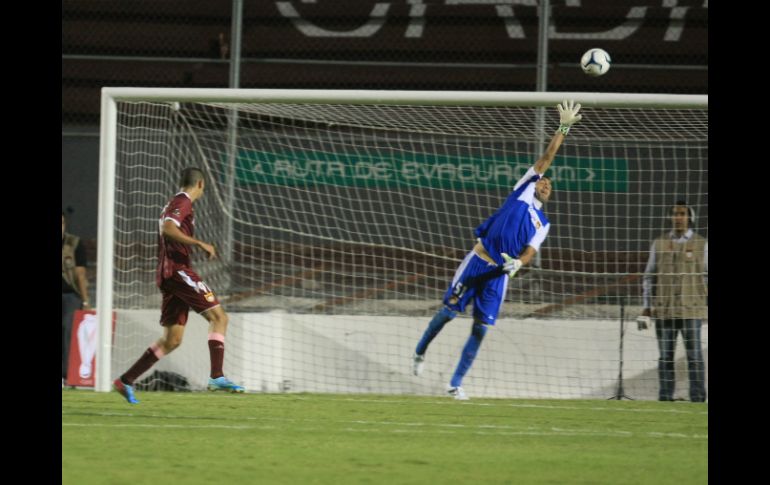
[434,327]
[469,353]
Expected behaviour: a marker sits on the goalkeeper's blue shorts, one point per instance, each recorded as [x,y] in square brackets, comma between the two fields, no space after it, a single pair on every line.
[487,294]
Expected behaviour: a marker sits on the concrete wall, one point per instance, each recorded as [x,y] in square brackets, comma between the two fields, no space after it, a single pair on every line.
[279,352]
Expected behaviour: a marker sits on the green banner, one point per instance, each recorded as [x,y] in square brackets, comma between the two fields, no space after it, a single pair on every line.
[306,168]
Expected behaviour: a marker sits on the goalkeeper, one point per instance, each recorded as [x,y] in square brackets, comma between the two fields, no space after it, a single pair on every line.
[518,228]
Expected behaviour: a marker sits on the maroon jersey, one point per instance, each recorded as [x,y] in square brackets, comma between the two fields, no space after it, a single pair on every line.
[174,256]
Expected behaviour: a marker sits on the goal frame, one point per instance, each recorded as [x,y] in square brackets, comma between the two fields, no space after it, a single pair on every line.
[108,153]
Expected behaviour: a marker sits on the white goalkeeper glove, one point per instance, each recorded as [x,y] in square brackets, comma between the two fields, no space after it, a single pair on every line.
[511,265]
[568,115]
[644,321]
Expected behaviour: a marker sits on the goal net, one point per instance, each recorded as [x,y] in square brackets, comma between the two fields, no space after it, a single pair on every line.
[340,218]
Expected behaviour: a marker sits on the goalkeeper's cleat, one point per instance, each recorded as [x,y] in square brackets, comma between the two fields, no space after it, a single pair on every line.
[457,392]
[224,384]
[418,364]
[125,390]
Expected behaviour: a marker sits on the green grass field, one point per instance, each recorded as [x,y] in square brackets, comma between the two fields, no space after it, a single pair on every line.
[192,438]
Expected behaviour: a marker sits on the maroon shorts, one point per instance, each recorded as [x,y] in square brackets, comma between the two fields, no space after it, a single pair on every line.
[184,290]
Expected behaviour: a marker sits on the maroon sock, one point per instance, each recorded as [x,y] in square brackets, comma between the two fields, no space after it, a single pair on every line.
[217,353]
[147,360]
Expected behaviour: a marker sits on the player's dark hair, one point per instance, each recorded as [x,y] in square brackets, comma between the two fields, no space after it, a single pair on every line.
[191,176]
[690,211]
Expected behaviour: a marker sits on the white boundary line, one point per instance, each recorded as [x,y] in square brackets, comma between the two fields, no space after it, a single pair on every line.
[407,426]
[448,401]
[453,429]
[664,408]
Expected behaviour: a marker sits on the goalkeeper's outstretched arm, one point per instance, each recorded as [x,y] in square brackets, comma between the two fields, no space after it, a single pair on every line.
[568,116]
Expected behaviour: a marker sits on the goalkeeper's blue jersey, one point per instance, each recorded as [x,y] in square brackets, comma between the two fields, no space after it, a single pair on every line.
[518,223]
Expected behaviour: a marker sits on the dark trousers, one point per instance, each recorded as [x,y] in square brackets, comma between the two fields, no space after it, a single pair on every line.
[69,303]
[667,331]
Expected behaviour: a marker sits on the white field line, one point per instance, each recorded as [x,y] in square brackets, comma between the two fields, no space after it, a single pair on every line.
[449,401]
[376,426]
[546,433]
[664,407]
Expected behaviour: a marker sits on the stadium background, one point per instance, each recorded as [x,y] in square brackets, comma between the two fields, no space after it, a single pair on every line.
[657,47]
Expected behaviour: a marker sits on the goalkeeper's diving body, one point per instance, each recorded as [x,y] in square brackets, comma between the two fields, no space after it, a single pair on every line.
[507,240]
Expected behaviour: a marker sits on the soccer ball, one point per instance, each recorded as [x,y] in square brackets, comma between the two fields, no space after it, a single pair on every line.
[595,62]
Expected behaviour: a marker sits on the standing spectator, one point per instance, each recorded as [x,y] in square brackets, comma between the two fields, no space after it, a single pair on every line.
[675,289]
[74,288]
[219,47]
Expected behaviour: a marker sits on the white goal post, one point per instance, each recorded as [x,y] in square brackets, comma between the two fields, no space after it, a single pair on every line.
[614,203]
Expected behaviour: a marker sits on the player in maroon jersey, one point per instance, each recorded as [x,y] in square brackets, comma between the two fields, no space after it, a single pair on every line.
[182,289]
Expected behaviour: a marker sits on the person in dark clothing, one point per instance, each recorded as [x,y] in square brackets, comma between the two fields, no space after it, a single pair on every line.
[74,288]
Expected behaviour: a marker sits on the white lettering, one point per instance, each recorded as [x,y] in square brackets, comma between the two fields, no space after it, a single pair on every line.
[256,167]
[504,171]
[519,170]
[376,21]
[362,170]
[381,170]
[565,173]
[446,170]
[483,176]
[512,26]
[299,170]
[315,168]
[283,168]
[335,169]
[467,172]
[429,170]
[676,24]
[634,19]
[409,170]
[418,10]
[416,19]
[377,171]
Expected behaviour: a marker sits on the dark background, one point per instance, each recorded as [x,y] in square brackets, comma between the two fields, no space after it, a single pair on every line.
[362,44]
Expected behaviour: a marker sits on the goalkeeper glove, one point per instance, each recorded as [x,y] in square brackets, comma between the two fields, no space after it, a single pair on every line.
[643,321]
[568,115]
[511,265]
